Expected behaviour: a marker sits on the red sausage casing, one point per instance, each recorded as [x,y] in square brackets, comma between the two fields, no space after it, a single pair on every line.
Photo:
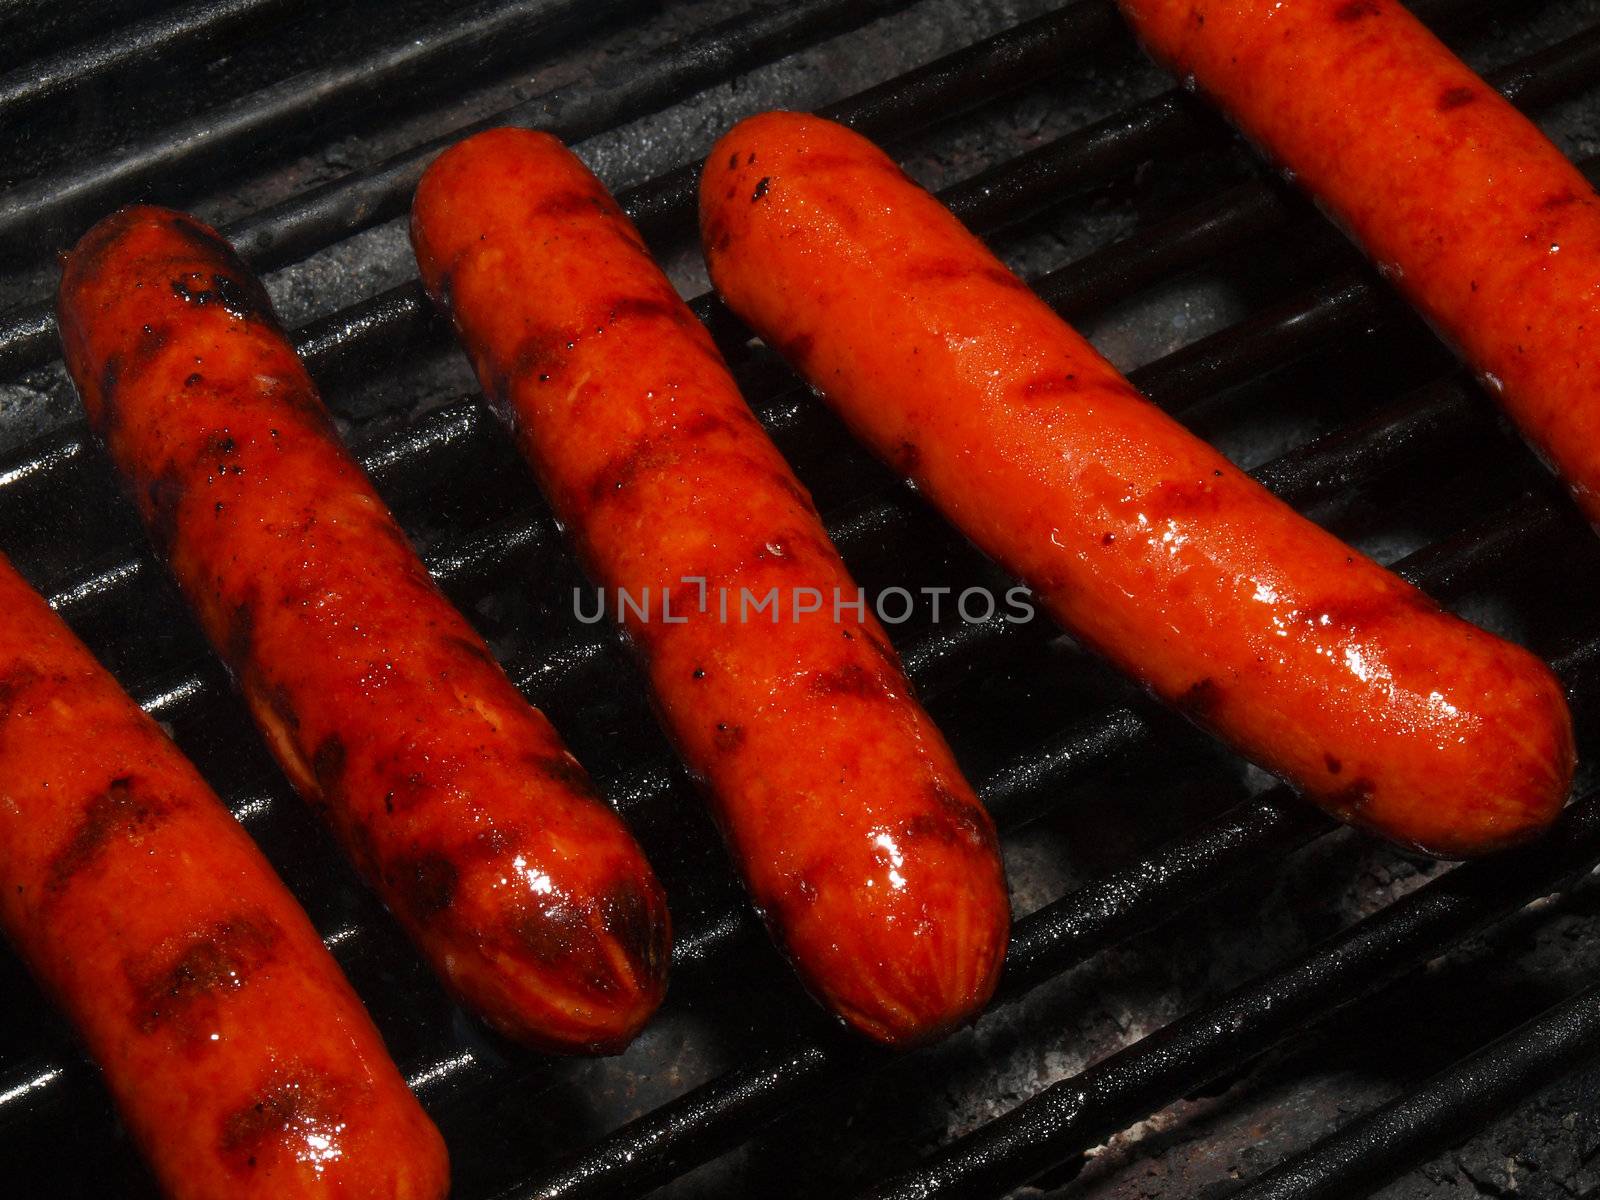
[866,850]
[454,797]
[1464,205]
[1138,537]
[238,1055]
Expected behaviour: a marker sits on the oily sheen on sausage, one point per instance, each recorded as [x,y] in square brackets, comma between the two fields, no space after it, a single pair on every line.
[239,1057]
[869,855]
[1138,537]
[453,796]
[1466,207]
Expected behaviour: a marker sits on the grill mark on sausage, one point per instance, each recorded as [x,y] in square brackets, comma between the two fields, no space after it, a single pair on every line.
[762,186]
[281,1114]
[650,451]
[120,810]
[968,818]
[633,920]
[1356,10]
[1453,98]
[952,270]
[715,232]
[425,883]
[1050,386]
[220,958]
[727,737]
[571,202]
[852,679]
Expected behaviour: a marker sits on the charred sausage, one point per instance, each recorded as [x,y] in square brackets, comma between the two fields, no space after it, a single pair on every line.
[238,1055]
[1465,206]
[453,796]
[867,852]
[1142,540]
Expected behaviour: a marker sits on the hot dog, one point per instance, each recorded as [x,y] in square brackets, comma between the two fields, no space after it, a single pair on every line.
[1464,205]
[1139,538]
[453,796]
[865,849]
[238,1055]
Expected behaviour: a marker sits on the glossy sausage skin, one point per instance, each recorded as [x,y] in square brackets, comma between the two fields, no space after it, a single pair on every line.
[452,795]
[1465,206]
[867,852]
[238,1055]
[1138,537]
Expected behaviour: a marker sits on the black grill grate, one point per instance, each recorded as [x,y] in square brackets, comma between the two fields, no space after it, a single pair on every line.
[503,1109]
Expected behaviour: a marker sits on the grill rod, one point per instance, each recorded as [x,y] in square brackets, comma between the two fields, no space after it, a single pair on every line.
[35,213]
[949,85]
[204,25]
[1075,1115]
[1373,1148]
[937,90]
[1247,211]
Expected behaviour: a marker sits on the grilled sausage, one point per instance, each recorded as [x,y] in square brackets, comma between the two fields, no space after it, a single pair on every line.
[237,1053]
[862,845]
[452,795]
[1464,205]
[1139,538]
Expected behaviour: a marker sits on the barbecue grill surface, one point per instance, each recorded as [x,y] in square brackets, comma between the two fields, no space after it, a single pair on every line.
[1305,348]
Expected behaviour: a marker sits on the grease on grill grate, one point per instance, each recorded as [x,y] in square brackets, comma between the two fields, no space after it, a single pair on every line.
[1139,218]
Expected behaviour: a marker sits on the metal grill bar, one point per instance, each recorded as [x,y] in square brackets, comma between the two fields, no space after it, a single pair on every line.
[1002,63]
[1371,1149]
[1075,1115]
[304,224]
[206,24]
[37,213]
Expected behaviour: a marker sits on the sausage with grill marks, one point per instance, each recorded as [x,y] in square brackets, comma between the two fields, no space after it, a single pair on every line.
[453,796]
[1466,207]
[1138,537]
[238,1055]
[869,855]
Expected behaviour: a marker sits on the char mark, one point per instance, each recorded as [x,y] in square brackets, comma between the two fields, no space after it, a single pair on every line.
[1200,700]
[1456,97]
[164,495]
[122,809]
[1356,10]
[565,772]
[218,959]
[635,918]
[282,1114]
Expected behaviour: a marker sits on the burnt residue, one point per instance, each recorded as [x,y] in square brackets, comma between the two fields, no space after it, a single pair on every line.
[240,300]
[763,185]
[123,809]
[969,818]
[281,1114]
[219,958]
[425,884]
